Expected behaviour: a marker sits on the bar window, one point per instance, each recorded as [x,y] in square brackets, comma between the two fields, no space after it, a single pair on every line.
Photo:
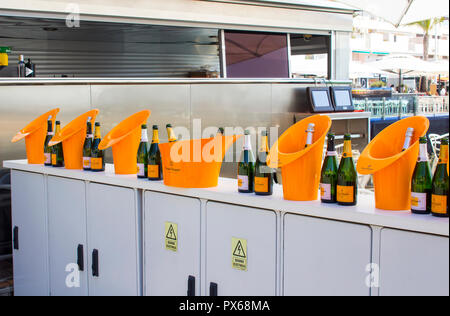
[256,55]
[310,56]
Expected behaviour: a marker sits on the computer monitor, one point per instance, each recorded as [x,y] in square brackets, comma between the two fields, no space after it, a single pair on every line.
[342,99]
[320,100]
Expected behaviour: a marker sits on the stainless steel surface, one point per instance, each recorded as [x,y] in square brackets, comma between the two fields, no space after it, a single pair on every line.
[20,105]
[70,81]
[218,103]
[109,49]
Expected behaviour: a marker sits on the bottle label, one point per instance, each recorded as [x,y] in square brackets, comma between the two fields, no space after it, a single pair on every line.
[439,204]
[325,191]
[91,136]
[345,193]
[141,170]
[144,135]
[418,201]
[50,133]
[243,182]
[248,142]
[423,153]
[86,162]
[48,158]
[53,159]
[96,163]
[331,153]
[261,184]
[153,171]
[443,155]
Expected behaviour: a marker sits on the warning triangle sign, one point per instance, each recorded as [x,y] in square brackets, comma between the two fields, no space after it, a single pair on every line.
[171,233]
[239,250]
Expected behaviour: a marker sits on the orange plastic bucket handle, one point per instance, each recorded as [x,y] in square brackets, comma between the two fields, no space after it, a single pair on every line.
[124,129]
[74,127]
[367,164]
[35,125]
[277,159]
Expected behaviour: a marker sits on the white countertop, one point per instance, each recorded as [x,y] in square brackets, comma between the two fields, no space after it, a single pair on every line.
[363,213]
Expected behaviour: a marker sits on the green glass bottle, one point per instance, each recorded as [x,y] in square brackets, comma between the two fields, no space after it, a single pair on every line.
[246,167]
[97,155]
[221,131]
[439,193]
[263,174]
[154,168]
[421,183]
[171,134]
[47,149]
[87,147]
[57,150]
[347,186]
[142,154]
[328,176]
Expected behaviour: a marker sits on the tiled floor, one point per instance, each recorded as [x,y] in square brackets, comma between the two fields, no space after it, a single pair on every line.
[6,278]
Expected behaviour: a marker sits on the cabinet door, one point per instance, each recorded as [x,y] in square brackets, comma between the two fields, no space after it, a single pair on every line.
[325,257]
[30,234]
[67,236]
[113,241]
[240,251]
[413,264]
[171,245]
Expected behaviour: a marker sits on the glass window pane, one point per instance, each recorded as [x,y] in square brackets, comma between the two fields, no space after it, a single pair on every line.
[256,55]
[310,56]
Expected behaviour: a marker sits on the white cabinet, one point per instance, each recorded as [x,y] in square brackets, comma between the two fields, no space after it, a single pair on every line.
[30,234]
[241,251]
[114,256]
[324,257]
[413,264]
[67,237]
[171,245]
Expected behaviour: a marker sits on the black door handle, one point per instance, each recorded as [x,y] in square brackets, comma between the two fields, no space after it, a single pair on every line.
[16,238]
[191,286]
[95,272]
[80,257]
[213,289]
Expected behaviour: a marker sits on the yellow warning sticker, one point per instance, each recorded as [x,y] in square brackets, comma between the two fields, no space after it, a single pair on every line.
[239,254]
[171,236]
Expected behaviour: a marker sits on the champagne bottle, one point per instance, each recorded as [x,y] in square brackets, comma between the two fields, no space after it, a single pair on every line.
[97,155]
[347,186]
[221,131]
[421,183]
[47,149]
[57,150]
[21,67]
[142,154]
[309,134]
[171,133]
[87,147]
[439,197]
[246,167]
[263,174]
[154,168]
[408,137]
[328,176]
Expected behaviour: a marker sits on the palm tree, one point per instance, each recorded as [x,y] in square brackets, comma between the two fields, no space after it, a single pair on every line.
[427,26]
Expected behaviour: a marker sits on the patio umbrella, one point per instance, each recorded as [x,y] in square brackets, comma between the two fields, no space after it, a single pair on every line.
[360,70]
[400,12]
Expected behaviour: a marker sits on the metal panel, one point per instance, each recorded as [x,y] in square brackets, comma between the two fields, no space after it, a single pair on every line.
[168,104]
[20,105]
[229,105]
[413,264]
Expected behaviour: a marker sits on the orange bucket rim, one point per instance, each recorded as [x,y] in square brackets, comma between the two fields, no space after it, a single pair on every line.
[290,157]
[382,163]
[36,123]
[81,120]
[109,141]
